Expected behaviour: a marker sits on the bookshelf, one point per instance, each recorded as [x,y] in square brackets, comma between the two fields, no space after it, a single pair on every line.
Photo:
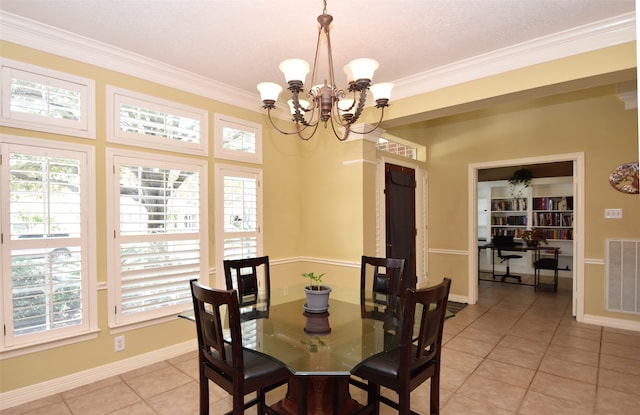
[546,204]
[509,215]
[552,211]
[554,215]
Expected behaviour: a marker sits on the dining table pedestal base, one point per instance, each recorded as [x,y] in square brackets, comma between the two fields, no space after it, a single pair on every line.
[318,395]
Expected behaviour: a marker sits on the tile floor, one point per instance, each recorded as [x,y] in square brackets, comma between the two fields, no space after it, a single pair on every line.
[515,352]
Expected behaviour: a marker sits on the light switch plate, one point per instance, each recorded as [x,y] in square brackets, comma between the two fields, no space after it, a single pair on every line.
[613,213]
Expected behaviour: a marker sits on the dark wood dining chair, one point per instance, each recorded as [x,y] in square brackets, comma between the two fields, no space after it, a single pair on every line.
[418,357]
[383,277]
[244,275]
[236,370]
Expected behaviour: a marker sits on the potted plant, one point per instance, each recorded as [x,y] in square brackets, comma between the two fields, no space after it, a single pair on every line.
[520,180]
[317,294]
[534,237]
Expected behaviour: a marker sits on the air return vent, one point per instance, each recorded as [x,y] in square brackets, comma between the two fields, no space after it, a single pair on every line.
[623,275]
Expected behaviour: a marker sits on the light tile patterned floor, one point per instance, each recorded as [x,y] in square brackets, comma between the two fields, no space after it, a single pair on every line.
[515,352]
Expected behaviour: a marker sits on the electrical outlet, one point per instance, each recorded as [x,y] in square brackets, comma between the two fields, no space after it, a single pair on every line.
[613,213]
[119,343]
[286,291]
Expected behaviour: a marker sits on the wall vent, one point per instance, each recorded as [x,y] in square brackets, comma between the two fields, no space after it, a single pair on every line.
[623,275]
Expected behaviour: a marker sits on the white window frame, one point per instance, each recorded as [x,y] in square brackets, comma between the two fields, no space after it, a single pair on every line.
[13,346]
[221,122]
[85,127]
[226,170]
[117,96]
[118,322]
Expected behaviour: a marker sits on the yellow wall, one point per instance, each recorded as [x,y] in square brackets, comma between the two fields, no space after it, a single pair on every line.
[592,121]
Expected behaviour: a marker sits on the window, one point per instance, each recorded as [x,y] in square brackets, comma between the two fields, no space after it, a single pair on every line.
[237,139]
[41,99]
[146,121]
[158,220]
[397,148]
[238,214]
[48,276]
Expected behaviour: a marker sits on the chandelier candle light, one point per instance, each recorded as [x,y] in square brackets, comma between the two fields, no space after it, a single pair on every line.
[326,104]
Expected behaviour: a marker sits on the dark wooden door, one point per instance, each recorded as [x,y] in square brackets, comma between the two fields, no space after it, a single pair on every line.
[400,200]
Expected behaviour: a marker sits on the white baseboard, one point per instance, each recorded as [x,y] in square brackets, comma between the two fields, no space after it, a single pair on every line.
[615,323]
[458,298]
[74,380]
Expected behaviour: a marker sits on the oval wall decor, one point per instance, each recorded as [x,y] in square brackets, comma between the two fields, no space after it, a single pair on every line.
[624,178]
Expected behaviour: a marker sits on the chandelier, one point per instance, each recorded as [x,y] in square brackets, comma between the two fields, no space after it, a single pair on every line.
[326,104]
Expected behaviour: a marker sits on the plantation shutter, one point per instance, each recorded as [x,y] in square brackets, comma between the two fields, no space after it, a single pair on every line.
[158,237]
[240,216]
[46,274]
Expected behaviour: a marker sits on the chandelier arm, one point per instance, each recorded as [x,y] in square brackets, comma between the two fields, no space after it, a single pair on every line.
[347,130]
[343,120]
[375,127]
[297,131]
[315,127]
[361,101]
[298,115]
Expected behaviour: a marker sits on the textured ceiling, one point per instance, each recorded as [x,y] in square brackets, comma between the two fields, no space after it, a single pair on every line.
[242,42]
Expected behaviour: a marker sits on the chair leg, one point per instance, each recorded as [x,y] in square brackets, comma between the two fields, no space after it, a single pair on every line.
[204,395]
[404,402]
[373,393]
[261,401]
[238,404]
[434,398]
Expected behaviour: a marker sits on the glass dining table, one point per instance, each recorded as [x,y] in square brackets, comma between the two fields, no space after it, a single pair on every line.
[320,349]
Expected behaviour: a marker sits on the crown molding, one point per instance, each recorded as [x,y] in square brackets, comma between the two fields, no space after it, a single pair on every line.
[605,33]
[598,35]
[48,39]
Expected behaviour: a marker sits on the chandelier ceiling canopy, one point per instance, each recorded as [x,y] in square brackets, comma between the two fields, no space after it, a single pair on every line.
[324,102]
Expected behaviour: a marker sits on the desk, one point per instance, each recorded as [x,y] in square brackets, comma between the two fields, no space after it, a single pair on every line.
[545,257]
[320,350]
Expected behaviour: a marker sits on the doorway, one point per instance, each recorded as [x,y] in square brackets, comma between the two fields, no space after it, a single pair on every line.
[577,164]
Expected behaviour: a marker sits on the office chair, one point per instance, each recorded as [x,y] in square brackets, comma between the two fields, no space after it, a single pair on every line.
[503,243]
[236,370]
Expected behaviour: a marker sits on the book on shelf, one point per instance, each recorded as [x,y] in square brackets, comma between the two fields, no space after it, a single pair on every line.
[553,203]
[553,219]
[509,204]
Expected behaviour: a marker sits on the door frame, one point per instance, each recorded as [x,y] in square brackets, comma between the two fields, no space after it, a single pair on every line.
[578,231]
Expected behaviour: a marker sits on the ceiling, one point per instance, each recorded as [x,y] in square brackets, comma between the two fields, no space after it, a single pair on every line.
[241,42]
